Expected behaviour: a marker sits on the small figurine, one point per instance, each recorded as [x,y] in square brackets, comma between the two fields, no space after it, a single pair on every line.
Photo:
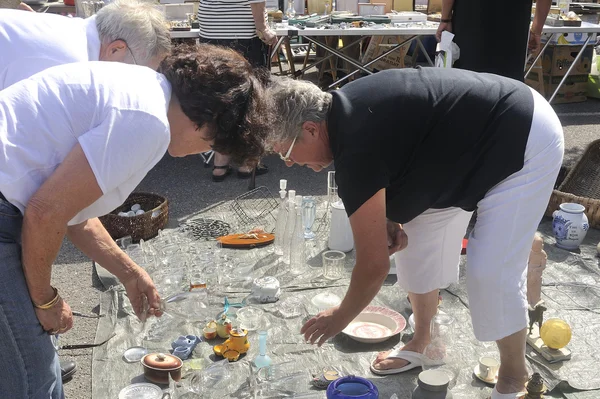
[237,344]
[327,377]
[536,315]
[223,327]
[535,267]
[210,330]
[535,387]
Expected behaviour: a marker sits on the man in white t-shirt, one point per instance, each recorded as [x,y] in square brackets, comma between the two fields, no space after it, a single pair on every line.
[75,140]
[129,31]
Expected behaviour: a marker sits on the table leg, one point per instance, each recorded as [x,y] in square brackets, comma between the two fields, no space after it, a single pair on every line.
[539,55]
[290,55]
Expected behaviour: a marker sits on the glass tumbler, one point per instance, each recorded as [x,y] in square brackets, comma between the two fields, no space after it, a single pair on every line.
[333,264]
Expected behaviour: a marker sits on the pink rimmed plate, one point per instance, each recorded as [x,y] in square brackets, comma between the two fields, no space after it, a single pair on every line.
[375,324]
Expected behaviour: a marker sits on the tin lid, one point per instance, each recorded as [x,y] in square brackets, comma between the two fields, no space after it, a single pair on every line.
[161,361]
[434,380]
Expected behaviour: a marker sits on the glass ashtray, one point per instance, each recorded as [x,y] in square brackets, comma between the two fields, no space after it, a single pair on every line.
[325,301]
[249,318]
[291,307]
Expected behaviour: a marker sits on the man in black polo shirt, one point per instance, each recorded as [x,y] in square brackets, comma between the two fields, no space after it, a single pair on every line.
[415,152]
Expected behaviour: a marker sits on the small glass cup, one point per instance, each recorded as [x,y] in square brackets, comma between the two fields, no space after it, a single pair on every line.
[333,264]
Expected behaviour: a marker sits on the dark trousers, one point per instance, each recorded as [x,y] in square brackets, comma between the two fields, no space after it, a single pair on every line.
[254,50]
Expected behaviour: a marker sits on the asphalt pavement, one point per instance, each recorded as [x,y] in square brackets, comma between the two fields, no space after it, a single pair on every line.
[188,186]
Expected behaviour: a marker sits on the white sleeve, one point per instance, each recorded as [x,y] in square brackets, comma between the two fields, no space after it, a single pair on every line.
[126,142]
[24,68]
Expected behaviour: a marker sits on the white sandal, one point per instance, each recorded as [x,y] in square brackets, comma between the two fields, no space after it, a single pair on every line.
[498,395]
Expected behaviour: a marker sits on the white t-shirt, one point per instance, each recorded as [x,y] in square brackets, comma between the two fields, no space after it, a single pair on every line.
[116,111]
[31,42]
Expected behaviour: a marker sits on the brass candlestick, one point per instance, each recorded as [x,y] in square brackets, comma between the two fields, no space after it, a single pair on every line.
[535,387]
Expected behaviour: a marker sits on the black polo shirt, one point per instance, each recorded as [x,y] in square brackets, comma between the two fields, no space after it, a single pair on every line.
[432,137]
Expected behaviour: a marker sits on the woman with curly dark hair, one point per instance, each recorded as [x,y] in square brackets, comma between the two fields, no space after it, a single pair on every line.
[76,140]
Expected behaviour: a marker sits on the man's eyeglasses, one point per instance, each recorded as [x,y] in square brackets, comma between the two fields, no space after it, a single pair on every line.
[130,52]
[286,158]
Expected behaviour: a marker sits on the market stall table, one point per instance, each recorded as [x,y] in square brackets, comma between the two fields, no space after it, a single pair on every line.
[414,31]
[587,30]
[298,360]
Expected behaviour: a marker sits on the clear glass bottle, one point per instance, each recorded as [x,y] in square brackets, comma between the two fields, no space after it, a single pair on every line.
[439,354]
[281,219]
[289,226]
[297,245]
[262,359]
[290,13]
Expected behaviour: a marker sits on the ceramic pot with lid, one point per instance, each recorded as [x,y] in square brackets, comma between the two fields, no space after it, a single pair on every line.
[159,366]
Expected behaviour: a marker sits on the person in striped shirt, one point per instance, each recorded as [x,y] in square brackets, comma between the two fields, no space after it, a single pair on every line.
[242,26]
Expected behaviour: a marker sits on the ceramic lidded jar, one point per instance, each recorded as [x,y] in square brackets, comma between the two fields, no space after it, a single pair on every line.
[159,366]
[569,225]
[432,384]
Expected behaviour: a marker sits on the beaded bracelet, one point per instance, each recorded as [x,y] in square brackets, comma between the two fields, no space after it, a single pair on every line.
[50,304]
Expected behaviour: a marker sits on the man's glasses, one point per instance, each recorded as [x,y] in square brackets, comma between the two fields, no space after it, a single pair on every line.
[286,158]
[130,52]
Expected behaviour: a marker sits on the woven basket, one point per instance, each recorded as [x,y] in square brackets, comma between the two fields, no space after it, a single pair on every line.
[581,185]
[140,227]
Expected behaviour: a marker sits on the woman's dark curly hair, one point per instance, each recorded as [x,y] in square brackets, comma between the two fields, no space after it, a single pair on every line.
[217,87]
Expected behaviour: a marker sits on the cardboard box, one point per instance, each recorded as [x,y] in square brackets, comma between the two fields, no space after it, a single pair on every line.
[569,39]
[558,59]
[574,90]
[379,45]
[404,5]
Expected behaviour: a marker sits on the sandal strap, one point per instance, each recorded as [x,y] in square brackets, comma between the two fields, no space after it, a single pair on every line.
[221,167]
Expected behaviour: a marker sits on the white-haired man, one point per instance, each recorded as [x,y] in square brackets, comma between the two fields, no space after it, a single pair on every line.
[127,31]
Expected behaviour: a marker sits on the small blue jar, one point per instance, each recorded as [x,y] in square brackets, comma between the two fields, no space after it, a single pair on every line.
[352,387]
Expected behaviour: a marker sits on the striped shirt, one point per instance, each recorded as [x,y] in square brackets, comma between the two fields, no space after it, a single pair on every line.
[227,19]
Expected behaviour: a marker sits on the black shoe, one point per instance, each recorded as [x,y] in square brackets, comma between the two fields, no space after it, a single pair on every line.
[67,369]
[260,170]
[222,177]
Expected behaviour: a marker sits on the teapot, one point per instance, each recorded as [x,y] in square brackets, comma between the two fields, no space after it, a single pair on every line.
[236,345]
[340,232]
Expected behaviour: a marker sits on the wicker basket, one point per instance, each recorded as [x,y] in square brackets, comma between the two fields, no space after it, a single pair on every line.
[141,226]
[581,185]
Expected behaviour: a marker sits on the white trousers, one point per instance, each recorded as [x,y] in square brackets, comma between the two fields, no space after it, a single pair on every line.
[507,219]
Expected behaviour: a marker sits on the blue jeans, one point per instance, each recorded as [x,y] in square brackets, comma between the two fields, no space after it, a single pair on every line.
[31,367]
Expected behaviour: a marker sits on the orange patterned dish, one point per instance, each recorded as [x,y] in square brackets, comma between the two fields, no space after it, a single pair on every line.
[246,240]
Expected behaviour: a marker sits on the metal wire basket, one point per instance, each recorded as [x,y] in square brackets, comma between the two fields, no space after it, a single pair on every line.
[256,208]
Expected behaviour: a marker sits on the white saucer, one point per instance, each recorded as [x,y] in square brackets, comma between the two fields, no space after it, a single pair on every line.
[479,377]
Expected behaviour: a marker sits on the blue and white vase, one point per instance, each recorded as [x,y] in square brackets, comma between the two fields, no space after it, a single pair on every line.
[570,225]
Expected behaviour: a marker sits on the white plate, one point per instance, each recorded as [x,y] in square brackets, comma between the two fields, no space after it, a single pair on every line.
[141,390]
[375,324]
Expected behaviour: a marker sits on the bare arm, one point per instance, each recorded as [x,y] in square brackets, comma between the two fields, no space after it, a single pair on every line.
[71,188]
[93,240]
[446,23]
[447,7]
[542,8]
[369,226]
[258,14]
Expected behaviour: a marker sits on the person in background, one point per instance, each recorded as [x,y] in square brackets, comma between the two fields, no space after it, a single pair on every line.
[80,158]
[129,31]
[487,42]
[242,26]
[425,178]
